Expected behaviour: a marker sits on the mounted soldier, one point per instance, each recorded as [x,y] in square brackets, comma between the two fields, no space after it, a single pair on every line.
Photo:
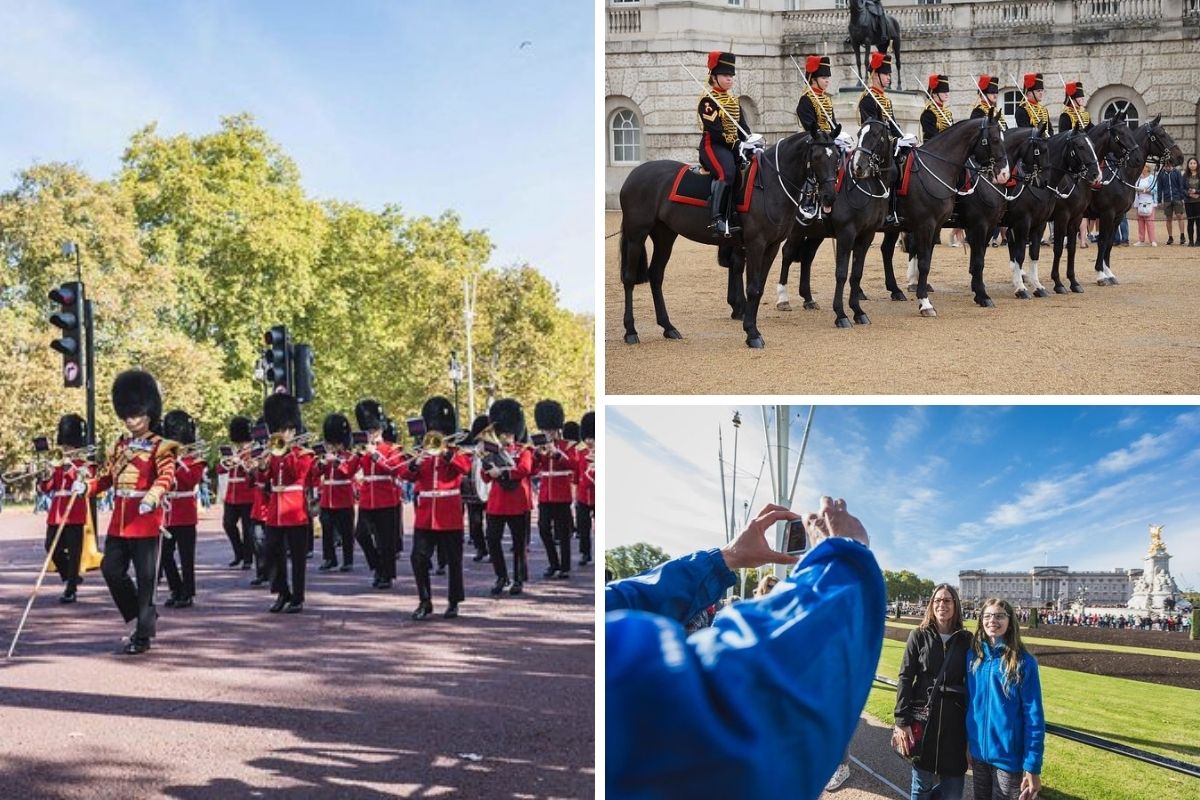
[937,116]
[1031,113]
[989,87]
[1074,116]
[721,120]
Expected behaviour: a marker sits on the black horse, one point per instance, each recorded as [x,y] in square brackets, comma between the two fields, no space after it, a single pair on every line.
[870,26]
[979,212]
[647,210]
[1112,201]
[1111,137]
[858,211]
[937,169]
[1073,163]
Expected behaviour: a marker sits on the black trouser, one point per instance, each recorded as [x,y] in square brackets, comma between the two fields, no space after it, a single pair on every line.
[399,532]
[518,527]
[66,554]
[310,537]
[243,542]
[377,537]
[1193,219]
[583,518]
[183,539]
[554,526]
[424,544]
[133,602]
[258,536]
[283,545]
[337,524]
[475,520]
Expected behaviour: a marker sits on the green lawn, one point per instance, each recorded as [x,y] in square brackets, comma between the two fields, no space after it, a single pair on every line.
[1161,719]
[1112,648]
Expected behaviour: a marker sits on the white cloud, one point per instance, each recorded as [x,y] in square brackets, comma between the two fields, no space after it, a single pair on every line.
[1145,449]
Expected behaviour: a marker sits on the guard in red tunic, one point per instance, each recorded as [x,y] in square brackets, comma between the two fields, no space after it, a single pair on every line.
[335,475]
[472,499]
[57,482]
[437,474]
[191,472]
[286,469]
[507,472]
[141,469]
[239,495]
[380,463]
[585,479]
[554,462]
[260,490]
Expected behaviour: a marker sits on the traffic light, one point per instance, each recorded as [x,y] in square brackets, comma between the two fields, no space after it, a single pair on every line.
[69,318]
[278,359]
[302,365]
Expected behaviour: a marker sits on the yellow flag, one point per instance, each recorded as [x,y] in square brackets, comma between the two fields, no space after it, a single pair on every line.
[91,556]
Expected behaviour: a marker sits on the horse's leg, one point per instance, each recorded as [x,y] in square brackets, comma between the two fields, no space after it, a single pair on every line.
[1035,249]
[1059,288]
[923,250]
[1017,236]
[977,240]
[758,267]
[788,255]
[887,248]
[664,239]
[1072,239]
[861,245]
[807,254]
[1108,231]
[633,272]
[841,259]
[735,292]
[1112,234]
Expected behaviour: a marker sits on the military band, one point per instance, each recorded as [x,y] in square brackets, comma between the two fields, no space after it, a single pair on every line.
[507,469]
[239,494]
[335,469]
[379,495]
[554,463]
[69,464]
[285,469]
[191,472]
[585,478]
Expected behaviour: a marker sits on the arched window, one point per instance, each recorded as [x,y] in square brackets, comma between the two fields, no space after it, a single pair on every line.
[1112,107]
[1009,100]
[625,135]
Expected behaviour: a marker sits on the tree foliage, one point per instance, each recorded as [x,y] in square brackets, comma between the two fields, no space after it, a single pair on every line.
[200,243]
[906,586]
[633,559]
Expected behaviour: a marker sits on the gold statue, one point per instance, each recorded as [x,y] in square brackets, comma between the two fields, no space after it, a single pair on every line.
[1156,542]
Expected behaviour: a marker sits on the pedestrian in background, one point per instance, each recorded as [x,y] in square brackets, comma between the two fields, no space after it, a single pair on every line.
[1191,203]
[1171,194]
[1143,202]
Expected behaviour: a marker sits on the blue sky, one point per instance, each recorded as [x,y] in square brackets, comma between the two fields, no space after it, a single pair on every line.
[431,105]
[939,488]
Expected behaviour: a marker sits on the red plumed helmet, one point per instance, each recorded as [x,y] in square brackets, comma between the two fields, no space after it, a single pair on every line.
[984,80]
[812,64]
[876,60]
[713,58]
[1070,88]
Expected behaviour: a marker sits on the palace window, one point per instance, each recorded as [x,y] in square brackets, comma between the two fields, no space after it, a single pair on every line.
[1009,100]
[1112,107]
[626,137]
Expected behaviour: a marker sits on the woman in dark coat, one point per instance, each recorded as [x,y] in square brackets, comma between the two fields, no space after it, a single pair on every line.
[940,767]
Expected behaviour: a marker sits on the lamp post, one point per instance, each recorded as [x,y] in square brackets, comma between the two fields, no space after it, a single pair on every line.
[456,376]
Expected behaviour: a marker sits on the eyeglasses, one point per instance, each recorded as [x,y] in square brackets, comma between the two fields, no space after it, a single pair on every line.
[998,616]
[942,600]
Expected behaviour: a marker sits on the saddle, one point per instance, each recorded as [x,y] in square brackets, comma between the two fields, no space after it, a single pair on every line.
[693,186]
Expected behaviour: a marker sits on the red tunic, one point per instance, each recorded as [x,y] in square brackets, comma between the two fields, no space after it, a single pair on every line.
[336,481]
[287,477]
[239,487]
[378,488]
[261,492]
[557,470]
[58,486]
[438,482]
[517,500]
[139,469]
[190,472]
[585,476]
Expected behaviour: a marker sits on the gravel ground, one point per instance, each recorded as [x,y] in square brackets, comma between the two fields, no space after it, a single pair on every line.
[349,699]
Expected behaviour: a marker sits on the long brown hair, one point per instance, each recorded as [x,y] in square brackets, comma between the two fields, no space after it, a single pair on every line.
[1187,168]
[956,624]
[1014,650]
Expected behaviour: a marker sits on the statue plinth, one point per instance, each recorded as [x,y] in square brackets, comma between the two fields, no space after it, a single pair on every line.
[1156,586]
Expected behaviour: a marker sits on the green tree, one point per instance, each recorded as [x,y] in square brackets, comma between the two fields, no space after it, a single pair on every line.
[633,559]
[906,586]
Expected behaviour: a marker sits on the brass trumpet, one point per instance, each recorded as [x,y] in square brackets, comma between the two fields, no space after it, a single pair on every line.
[194,449]
[491,449]
[435,442]
[277,445]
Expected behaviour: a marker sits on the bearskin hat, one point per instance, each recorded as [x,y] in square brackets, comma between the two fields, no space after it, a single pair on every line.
[477,427]
[135,394]
[281,411]
[336,430]
[570,430]
[439,415]
[989,84]
[72,431]
[722,63]
[938,83]
[1032,81]
[369,414]
[239,430]
[389,431]
[1074,90]
[587,426]
[508,417]
[548,414]
[817,67]
[179,426]
[881,63]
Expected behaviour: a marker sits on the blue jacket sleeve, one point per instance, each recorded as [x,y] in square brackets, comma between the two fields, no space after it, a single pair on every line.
[1035,719]
[769,696]
[680,589]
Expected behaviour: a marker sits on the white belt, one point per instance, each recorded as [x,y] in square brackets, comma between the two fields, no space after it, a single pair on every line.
[287,488]
[336,483]
[441,493]
[177,495]
[62,493]
[235,480]
[557,472]
[130,493]
[367,478]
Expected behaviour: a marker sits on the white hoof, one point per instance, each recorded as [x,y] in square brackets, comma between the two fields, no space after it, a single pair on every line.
[784,306]
[926,308]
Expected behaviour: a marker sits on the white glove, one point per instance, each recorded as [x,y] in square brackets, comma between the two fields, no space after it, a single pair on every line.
[908,140]
[144,507]
[78,487]
[845,141]
[753,142]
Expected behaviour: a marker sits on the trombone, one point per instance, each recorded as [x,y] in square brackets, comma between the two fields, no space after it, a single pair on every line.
[196,448]
[55,457]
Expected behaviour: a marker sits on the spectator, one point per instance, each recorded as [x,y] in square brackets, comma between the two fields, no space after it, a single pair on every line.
[685,717]
[1171,193]
[1006,728]
[765,585]
[1143,202]
[1191,203]
[932,690]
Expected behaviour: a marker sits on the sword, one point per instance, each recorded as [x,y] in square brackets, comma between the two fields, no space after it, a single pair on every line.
[886,113]
[710,97]
[808,90]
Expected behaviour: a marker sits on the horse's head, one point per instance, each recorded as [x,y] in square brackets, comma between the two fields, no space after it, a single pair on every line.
[1159,143]
[823,166]
[1080,158]
[989,147]
[1114,136]
[873,151]
[1034,156]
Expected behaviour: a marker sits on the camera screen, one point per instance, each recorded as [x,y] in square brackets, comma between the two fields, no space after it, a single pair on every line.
[797,538]
[41,444]
[416,427]
[540,439]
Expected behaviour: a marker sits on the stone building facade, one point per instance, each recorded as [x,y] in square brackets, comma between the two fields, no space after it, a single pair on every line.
[1049,587]
[1134,54]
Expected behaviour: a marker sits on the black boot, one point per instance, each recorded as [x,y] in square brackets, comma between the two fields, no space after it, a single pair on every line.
[280,601]
[451,611]
[480,555]
[326,566]
[499,587]
[720,215]
[423,610]
[136,646]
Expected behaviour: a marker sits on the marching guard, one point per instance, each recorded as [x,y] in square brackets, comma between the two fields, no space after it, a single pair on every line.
[508,503]
[555,464]
[937,116]
[472,499]
[815,109]
[141,469]
[335,474]
[181,516]
[379,500]
[989,87]
[720,115]
[285,468]
[585,497]
[1031,113]
[72,516]
[258,512]
[239,495]
[1074,116]
[437,473]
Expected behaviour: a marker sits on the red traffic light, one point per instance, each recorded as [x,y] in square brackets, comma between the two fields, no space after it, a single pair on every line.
[65,295]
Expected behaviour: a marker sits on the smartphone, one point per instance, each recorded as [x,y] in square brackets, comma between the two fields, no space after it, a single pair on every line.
[41,444]
[797,538]
[226,451]
[416,427]
[358,438]
[540,439]
[260,433]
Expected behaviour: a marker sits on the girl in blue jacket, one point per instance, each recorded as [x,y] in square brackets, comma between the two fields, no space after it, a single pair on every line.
[1006,729]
